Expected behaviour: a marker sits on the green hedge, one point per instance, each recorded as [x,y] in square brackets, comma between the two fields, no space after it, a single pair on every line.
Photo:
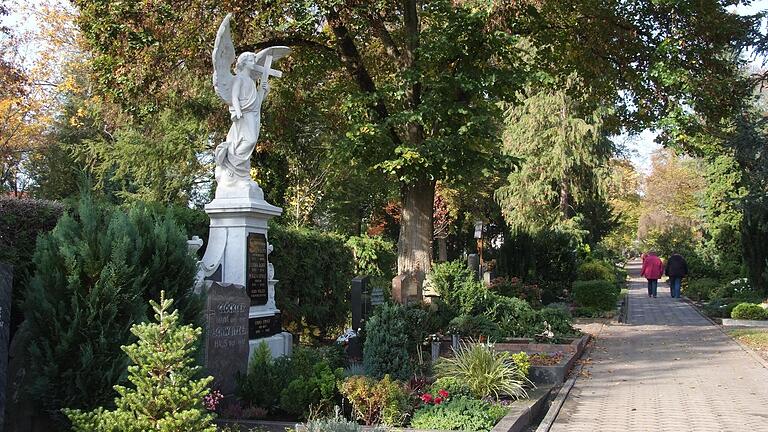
[596,270]
[314,269]
[600,295]
[749,311]
[21,221]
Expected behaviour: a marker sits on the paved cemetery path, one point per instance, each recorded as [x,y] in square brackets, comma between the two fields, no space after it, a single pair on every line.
[667,369]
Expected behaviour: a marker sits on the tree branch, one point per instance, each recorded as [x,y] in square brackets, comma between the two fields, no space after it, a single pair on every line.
[287,41]
[386,38]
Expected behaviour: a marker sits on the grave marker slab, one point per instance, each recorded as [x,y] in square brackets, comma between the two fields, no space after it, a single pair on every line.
[256,268]
[226,337]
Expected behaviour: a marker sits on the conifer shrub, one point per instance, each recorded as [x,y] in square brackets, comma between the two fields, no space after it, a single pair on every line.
[94,274]
[385,350]
[165,395]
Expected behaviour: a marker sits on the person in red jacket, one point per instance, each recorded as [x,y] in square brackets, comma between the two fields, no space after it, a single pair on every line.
[652,270]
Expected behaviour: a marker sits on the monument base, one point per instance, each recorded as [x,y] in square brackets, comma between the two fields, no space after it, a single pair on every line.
[280,344]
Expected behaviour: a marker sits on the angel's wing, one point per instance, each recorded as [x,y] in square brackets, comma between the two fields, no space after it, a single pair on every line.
[223,56]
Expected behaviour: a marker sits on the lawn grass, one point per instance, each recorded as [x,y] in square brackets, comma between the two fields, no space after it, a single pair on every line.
[756,339]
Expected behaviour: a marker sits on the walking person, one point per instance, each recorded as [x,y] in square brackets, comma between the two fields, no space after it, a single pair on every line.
[676,269]
[652,270]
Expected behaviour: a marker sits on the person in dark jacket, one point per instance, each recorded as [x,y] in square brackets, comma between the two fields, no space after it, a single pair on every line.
[676,269]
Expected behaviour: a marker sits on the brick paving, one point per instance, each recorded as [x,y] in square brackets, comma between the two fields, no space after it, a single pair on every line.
[667,369]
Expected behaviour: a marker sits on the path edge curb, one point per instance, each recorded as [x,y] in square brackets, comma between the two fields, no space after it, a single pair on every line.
[559,400]
[757,357]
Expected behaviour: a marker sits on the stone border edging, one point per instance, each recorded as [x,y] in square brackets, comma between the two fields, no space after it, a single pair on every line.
[516,420]
[730,322]
[562,394]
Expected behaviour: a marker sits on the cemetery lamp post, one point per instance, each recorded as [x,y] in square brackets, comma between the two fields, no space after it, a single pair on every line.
[479,237]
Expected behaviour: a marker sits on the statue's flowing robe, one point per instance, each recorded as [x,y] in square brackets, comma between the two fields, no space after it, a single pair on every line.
[234,155]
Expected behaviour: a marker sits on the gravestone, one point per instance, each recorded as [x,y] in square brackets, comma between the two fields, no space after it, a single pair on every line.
[473,263]
[256,267]
[226,336]
[377,296]
[406,289]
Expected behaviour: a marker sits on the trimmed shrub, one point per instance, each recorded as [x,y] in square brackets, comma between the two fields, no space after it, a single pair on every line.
[315,270]
[700,289]
[514,316]
[385,350]
[373,401]
[459,414]
[596,270]
[94,274]
[600,295]
[749,311]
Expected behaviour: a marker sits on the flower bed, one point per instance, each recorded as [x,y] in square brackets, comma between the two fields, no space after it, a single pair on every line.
[554,372]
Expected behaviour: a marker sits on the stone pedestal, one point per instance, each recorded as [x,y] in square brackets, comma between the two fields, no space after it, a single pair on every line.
[238,253]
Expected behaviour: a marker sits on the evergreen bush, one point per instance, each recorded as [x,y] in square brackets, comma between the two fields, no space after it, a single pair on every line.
[374,256]
[166,396]
[315,270]
[749,311]
[385,350]
[94,274]
[596,270]
[600,295]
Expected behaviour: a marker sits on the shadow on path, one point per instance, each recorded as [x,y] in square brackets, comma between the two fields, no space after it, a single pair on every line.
[668,369]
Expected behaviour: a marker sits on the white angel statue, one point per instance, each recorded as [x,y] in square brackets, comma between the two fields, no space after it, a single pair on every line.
[244,97]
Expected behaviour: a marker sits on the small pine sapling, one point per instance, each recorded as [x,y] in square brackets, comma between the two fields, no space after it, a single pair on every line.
[166,397]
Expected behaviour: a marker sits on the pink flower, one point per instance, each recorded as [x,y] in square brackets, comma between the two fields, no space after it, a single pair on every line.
[426,398]
[438,400]
[443,393]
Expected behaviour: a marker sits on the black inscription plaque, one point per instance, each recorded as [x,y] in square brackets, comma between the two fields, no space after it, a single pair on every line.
[226,336]
[264,326]
[256,269]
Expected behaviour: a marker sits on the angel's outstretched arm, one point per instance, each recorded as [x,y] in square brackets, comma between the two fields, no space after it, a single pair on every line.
[236,98]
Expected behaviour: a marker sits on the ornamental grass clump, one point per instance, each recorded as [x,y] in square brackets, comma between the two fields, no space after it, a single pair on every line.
[487,373]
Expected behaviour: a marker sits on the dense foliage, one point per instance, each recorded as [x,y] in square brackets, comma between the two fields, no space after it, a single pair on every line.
[94,274]
[166,395]
[385,351]
[314,270]
[460,414]
[375,402]
[299,385]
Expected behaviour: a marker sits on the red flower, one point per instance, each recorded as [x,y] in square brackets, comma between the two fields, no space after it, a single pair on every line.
[426,398]
[443,393]
[438,400]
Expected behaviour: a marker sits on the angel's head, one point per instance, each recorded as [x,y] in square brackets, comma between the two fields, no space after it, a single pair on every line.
[245,59]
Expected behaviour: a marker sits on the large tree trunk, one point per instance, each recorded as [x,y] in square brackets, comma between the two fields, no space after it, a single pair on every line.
[414,247]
